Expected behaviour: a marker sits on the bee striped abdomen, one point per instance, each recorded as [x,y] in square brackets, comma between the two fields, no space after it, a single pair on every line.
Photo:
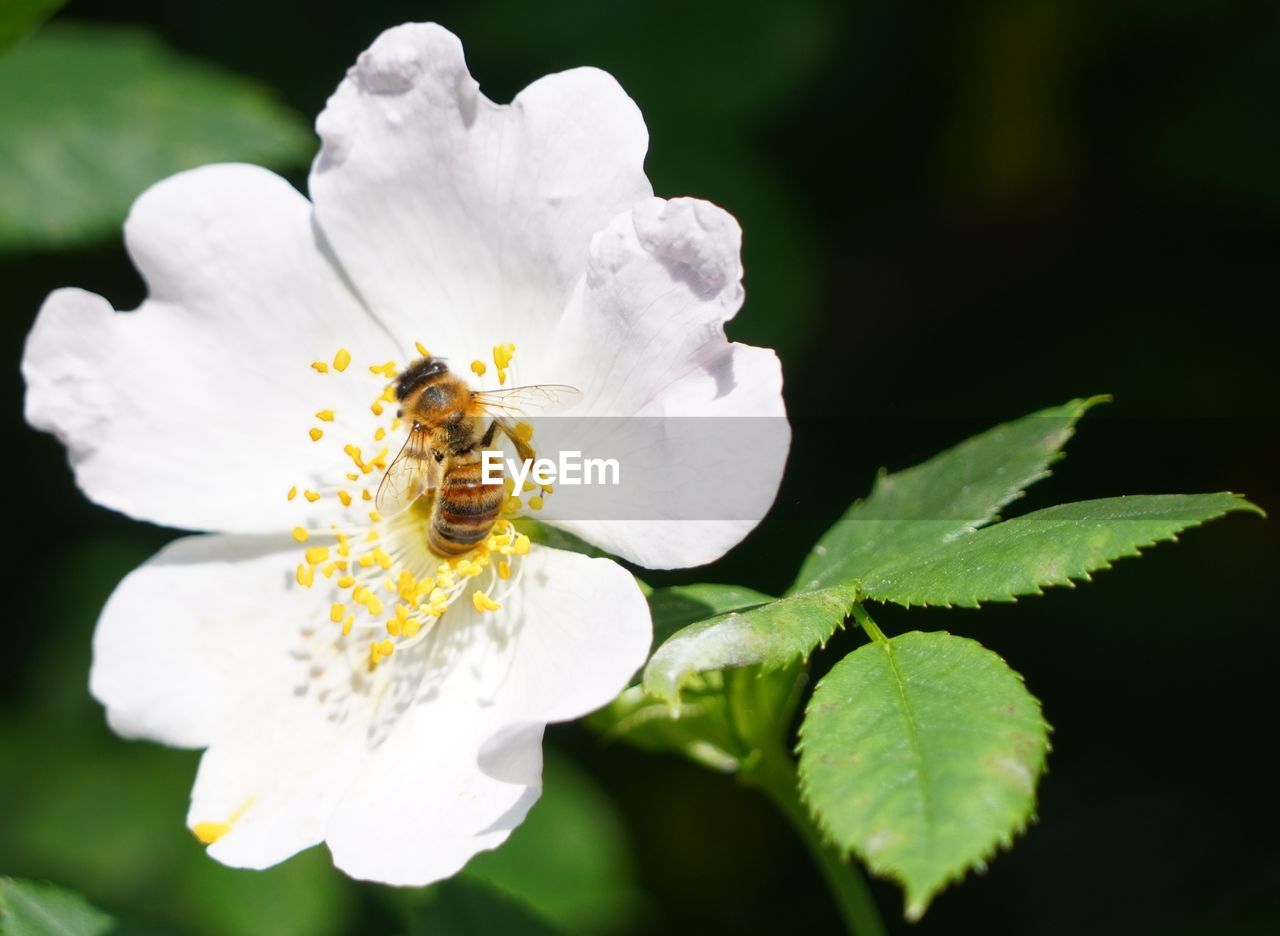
[465,509]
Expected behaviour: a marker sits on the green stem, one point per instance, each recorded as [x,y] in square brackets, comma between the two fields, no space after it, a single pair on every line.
[864,620]
[774,774]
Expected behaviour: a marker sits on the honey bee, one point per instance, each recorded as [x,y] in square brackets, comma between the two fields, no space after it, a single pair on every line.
[451,426]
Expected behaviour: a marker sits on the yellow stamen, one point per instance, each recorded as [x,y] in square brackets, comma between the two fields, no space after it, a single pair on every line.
[337,612]
[523,431]
[380,434]
[312,496]
[316,434]
[317,554]
[478,368]
[483,602]
[535,503]
[320,367]
[504,569]
[386,648]
[521,545]
[345,498]
[306,575]
[293,492]
[346,581]
[210,832]
[301,535]
[341,359]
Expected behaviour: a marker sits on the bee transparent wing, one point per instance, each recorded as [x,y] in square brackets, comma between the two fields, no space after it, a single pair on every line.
[411,475]
[531,400]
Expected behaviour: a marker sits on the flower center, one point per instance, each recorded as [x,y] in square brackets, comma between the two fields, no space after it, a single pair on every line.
[389,589]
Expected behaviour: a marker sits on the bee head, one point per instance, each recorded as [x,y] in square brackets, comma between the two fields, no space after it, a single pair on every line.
[418,373]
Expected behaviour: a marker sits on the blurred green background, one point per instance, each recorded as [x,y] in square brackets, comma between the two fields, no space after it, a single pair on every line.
[953,214]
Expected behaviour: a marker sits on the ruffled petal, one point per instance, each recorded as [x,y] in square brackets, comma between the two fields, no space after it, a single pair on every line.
[464,223]
[194,410]
[460,771]
[207,632]
[697,422]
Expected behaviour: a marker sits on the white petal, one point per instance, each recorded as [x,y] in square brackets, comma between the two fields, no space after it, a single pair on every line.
[276,781]
[464,223]
[645,338]
[193,411]
[460,771]
[205,632]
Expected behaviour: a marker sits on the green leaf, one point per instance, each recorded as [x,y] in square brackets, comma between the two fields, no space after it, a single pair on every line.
[682,605]
[90,116]
[1055,546]
[921,754]
[31,909]
[19,17]
[569,860]
[951,494]
[770,636]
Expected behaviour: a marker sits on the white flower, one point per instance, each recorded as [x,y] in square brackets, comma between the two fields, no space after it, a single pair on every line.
[349,687]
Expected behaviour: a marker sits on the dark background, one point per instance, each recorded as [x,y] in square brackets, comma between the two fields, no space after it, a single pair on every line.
[954,214]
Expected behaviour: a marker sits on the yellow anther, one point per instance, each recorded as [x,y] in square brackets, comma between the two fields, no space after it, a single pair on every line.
[504,569]
[316,434]
[388,369]
[346,625]
[329,569]
[353,476]
[345,498]
[421,350]
[483,602]
[380,460]
[320,367]
[210,832]
[306,575]
[548,489]
[317,554]
[301,535]
[527,487]
[380,434]
[389,585]
[337,612]
[383,559]
[396,423]
[376,407]
[386,648]
[346,581]
[311,496]
[523,431]
[293,492]
[478,368]
[375,516]
[374,604]
[325,415]
[360,594]
[388,394]
[521,545]
[344,550]
[410,628]
[535,503]
[366,495]
[395,627]
[365,561]
[341,359]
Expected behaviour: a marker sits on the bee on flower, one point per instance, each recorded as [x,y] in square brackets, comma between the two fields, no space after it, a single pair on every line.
[375,670]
